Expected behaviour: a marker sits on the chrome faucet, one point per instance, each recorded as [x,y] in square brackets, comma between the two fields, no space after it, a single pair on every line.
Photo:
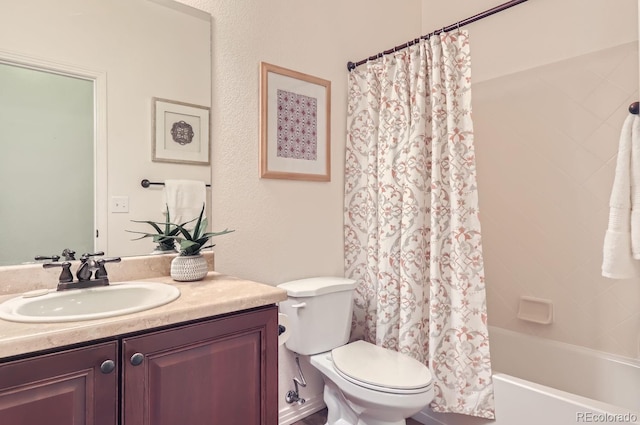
[67,254]
[87,266]
[85,272]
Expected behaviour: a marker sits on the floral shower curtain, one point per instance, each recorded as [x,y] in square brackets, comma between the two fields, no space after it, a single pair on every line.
[412,234]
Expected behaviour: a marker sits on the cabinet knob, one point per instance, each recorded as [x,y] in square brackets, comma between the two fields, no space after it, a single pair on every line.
[107,366]
[137,359]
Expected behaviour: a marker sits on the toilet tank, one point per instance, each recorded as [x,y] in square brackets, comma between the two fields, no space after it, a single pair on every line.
[319,311]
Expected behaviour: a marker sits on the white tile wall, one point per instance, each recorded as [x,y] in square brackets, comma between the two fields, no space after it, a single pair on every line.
[546,143]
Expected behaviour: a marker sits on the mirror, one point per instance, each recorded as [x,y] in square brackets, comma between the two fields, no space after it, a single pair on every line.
[121,54]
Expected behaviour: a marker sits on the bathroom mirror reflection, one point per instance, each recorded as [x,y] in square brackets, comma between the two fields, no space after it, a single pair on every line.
[97,65]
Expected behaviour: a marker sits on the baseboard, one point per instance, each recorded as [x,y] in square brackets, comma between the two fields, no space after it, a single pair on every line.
[294,412]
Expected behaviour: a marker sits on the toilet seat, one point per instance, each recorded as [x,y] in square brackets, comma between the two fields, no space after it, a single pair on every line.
[380,369]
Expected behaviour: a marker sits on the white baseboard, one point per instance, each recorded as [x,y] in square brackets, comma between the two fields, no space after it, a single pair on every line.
[294,412]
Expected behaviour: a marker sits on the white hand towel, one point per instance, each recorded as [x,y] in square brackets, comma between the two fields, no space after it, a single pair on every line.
[617,259]
[184,198]
[635,187]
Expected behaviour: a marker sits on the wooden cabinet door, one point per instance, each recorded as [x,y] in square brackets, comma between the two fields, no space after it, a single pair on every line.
[64,388]
[218,372]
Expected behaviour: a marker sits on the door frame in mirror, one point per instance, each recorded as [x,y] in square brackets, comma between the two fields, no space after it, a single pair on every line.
[99,79]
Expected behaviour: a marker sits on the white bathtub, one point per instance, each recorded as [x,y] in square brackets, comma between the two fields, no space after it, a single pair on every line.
[543,382]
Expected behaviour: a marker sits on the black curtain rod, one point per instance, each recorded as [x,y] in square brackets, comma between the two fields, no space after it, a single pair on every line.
[634,108]
[352,65]
[146,183]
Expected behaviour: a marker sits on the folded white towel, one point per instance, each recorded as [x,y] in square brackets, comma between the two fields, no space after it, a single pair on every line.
[617,259]
[635,188]
[184,198]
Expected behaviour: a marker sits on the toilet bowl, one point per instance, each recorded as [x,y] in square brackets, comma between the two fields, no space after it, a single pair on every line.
[364,384]
[382,393]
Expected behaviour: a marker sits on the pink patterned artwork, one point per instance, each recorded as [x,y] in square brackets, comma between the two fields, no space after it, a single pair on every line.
[297,126]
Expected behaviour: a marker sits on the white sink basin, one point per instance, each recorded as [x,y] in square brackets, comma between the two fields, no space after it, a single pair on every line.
[50,306]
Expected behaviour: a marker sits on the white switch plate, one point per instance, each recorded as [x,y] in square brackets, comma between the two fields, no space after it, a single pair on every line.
[119,204]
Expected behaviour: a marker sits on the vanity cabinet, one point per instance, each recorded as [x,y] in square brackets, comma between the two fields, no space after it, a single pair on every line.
[62,388]
[221,370]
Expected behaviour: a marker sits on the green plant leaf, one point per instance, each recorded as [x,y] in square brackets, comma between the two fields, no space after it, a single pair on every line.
[188,244]
[152,223]
[167,226]
[144,235]
[212,234]
[198,223]
[185,233]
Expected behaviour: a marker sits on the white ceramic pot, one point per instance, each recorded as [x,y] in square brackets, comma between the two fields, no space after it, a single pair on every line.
[189,268]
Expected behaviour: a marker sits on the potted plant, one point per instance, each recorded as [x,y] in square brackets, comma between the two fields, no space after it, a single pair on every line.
[190,265]
[164,236]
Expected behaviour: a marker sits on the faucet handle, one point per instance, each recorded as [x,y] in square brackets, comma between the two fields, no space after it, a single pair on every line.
[53,258]
[65,275]
[86,256]
[102,271]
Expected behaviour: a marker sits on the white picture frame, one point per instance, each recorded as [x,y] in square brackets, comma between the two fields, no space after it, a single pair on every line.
[180,132]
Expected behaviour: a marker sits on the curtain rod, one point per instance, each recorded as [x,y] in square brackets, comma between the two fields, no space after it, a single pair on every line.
[352,65]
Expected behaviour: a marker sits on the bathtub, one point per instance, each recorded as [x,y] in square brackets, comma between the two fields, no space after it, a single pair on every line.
[543,382]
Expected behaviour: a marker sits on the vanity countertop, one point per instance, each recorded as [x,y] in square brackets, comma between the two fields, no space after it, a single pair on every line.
[216,294]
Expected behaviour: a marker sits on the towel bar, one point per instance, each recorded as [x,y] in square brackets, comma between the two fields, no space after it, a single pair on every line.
[146,183]
[634,108]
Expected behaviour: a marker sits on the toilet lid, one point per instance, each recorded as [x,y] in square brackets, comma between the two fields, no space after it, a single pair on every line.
[380,367]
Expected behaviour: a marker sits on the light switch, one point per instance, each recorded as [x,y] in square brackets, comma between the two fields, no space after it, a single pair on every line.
[119,204]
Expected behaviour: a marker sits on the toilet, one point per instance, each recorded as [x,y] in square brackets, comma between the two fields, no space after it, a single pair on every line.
[363,384]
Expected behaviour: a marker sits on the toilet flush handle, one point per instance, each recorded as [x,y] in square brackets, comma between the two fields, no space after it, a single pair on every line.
[299,305]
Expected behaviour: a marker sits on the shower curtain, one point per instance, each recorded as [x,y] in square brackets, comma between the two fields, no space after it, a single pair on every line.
[412,234]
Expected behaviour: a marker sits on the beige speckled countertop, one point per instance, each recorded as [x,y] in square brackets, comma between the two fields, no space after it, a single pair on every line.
[216,294]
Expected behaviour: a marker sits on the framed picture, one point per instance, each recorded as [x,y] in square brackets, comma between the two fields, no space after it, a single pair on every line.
[295,125]
[180,132]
